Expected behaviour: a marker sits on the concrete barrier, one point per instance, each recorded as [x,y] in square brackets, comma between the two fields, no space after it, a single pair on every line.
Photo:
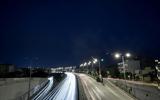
[13,88]
[81,92]
[7,81]
[33,91]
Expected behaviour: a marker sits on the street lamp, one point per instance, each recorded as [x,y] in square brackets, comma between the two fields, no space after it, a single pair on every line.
[81,65]
[102,60]
[85,64]
[128,55]
[158,69]
[100,74]
[118,55]
[156,61]
[30,73]
[95,60]
[89,63]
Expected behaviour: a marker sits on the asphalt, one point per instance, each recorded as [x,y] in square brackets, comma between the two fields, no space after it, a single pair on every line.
[65,90]
[97,91]
[68,91]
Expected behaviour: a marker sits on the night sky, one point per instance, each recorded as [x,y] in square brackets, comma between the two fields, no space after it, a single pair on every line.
[65,32]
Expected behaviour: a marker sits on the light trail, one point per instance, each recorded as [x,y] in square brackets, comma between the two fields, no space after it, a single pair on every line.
[65,90]
[68,90]
[45,90]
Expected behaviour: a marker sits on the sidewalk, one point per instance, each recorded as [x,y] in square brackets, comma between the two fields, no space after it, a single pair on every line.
[140,90]
[135,82]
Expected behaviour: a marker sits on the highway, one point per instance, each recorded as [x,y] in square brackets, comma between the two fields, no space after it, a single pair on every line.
[65,90]
[97,91]
[45,90]
[68,90]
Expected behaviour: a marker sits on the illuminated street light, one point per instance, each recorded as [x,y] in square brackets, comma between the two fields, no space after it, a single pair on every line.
[81,65]
[102,60]
[95,60]
[89,63]
[156,61]
[117,55]
[128,55]
[85,64]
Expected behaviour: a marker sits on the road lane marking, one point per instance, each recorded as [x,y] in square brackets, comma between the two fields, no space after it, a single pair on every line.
[89,90]
[99,91]
[96,93]
[120,91]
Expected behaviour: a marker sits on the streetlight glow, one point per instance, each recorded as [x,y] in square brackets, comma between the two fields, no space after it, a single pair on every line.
[95,60]
[117,55]
[89,63]
[85,64]
[102,60]
[81,65]
[156,61]
[128,55]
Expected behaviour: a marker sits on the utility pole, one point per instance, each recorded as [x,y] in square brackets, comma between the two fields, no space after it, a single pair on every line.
[29,84]
[124,68]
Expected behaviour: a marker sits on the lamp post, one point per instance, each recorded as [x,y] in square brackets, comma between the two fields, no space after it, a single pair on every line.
[158,71]
[89,63]
[30,73]
[29,84]
[100,74]
[118,55]
[95,60]
[81,67]
[85,66]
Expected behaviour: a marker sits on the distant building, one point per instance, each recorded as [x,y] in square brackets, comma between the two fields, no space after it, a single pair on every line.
[130,66]
[70,69]
[57,70]
[145,74]
[6,68]
[63,69]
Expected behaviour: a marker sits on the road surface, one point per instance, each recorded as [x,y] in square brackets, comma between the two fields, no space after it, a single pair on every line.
[68,90]
[97,91]
[45,90]
[65,90]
